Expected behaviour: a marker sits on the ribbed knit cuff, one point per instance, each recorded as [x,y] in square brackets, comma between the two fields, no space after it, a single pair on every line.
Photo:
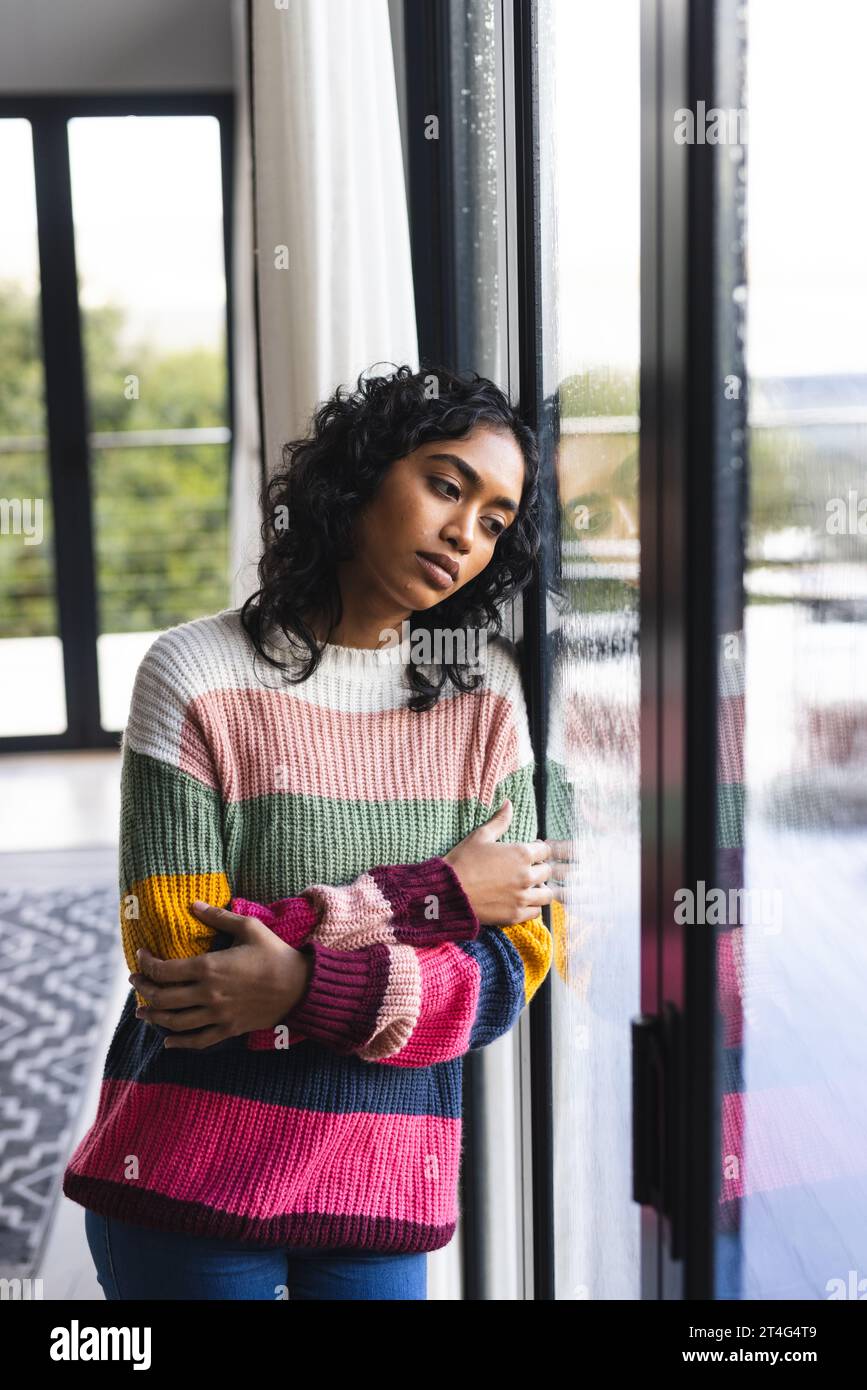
[428,903]
[343,996]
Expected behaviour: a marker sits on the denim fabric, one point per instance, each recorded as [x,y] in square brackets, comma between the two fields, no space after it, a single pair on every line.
[136,1262]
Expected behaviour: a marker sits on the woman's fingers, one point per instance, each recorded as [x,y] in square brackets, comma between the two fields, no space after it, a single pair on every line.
[560,849]
[557,871]
[540,851]
[181,971]
[165,996]
[541,873]
[178,1020]
[542,895]
[563,864]
[176,984]
[528,914]
[220,917]
[562,873]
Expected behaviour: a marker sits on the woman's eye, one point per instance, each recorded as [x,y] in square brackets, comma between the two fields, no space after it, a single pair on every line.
[498,526]
[443,482]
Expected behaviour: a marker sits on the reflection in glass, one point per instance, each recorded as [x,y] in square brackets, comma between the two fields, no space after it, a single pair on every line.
[32,690]
[792,981]
[475,78]
[589,64]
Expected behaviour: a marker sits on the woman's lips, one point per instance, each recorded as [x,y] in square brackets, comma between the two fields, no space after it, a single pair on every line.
[440,578]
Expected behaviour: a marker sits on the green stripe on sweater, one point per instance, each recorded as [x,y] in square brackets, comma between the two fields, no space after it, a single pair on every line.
[170,822]
[277,845]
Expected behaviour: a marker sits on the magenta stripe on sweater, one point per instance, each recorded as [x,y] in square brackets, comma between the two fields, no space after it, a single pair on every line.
[260,751]
[186,1143]
[434,1033]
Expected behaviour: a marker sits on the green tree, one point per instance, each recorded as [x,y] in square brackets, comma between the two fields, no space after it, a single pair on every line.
[159,512]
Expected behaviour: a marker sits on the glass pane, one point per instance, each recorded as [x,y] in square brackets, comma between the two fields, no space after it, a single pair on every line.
[32,691]
[591,327]
[477,154]
[795,1136]
[149,251]
[475,281]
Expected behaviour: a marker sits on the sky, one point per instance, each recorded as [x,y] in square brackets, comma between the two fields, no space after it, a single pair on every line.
[147,198]
[807,191]
[147,207]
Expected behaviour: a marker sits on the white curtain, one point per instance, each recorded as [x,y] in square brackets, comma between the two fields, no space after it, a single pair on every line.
[246,444]
[333,268]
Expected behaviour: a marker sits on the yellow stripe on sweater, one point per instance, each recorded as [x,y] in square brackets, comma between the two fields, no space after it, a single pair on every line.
[156,913]
[532,941]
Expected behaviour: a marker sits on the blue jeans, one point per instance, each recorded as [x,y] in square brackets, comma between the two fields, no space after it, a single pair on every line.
[136,1262]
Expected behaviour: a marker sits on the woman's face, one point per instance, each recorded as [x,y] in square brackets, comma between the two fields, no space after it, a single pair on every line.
[449,498]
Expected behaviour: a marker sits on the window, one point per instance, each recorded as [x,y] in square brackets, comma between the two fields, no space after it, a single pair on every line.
[590,322]
[115,417]
[32,694]
[795,1174]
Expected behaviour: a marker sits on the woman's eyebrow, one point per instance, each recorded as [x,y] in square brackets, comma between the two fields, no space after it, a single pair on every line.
[474,479]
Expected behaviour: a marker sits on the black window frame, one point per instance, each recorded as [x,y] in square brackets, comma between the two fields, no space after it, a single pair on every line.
[66,412]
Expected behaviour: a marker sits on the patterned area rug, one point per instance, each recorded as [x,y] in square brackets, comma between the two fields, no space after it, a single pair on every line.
[58,960]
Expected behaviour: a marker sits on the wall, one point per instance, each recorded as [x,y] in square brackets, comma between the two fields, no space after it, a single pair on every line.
[114,45]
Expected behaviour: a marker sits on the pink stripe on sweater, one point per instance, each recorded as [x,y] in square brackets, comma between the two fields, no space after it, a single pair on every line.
[346,918]
[438,1027]
[262,747]
[352,916]
[188,1148]
[730,741]
[399,1010]
[793,1136]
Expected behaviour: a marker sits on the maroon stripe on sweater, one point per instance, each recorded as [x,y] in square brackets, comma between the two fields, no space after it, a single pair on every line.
[320,1230]
[410,888]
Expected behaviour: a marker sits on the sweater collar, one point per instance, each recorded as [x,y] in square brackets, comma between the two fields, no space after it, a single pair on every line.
[351,663]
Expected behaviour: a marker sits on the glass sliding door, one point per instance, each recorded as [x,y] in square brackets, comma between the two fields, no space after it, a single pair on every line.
[687,1069]
[589,119]
[795,1158]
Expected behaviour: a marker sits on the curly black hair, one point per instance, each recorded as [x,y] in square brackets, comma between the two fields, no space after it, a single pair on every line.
[310,507]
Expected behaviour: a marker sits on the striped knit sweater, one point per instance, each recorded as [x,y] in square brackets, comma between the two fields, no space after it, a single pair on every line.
[323,808]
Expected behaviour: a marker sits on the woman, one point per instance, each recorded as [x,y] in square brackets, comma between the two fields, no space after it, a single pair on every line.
[283,1118]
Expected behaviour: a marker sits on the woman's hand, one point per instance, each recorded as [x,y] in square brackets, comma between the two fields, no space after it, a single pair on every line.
[564,868]
[252,985]
[504,883]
